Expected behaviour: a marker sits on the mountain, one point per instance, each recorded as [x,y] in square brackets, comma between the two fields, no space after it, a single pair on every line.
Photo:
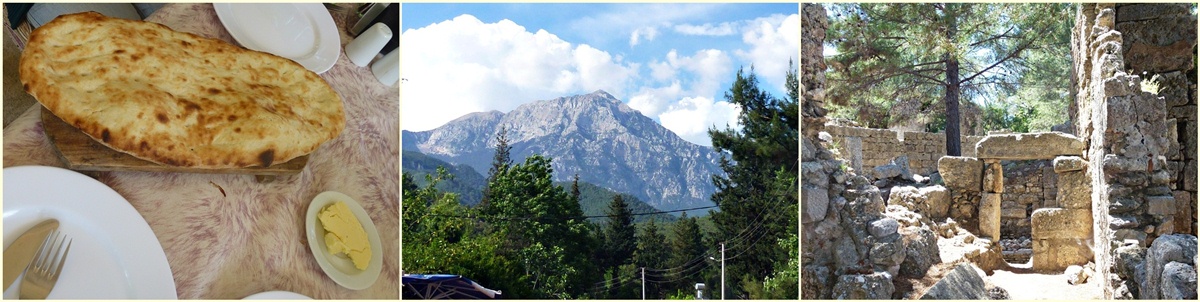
[468,184]
[595,135]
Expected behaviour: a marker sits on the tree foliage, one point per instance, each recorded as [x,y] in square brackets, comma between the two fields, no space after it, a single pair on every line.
[928,58]
[759,188]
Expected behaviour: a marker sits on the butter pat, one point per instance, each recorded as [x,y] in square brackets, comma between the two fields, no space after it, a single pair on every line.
[344,235]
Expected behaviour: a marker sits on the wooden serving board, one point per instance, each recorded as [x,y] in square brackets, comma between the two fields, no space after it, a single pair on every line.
[80,152]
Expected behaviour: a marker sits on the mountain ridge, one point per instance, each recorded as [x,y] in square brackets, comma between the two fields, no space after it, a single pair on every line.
[595,135]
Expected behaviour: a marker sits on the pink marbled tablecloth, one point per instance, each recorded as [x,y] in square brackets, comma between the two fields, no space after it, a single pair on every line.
[250,238]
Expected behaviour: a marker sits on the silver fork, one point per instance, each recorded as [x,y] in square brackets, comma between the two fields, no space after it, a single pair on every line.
[42,272]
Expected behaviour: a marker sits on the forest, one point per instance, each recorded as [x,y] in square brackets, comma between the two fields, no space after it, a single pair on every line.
[529,236]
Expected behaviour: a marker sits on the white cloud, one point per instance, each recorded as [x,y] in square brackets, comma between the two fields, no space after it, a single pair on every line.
[463,65]
[773,40]
[649,32]
[707,29]
[691,118]
[653,101]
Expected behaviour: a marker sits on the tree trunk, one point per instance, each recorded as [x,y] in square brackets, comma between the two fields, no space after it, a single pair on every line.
[953,146]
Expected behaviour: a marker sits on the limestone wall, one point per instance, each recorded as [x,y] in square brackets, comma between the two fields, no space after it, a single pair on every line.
[1028,186]
[1133,128]
[866,148]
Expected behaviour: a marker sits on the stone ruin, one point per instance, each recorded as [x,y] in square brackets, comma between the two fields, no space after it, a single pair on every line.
[1123,207]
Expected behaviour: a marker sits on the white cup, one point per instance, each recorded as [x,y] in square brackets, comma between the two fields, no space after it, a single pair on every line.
[387,69]
[363,49]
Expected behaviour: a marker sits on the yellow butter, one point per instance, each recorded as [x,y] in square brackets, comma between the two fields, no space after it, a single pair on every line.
[344,235]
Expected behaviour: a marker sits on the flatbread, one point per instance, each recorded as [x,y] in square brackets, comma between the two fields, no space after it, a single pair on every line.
[175,98]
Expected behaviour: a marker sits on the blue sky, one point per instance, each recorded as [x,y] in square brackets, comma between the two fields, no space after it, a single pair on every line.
[672,62]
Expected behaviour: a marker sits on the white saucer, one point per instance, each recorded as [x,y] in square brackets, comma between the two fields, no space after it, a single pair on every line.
[341,269]
[302,32]
[277,295]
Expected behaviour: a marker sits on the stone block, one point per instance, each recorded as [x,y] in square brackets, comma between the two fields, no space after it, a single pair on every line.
[1054,255]
[1189,176]
[1160,205]
[938,200]
[1011,213]
[1042,145]
[989,216]
[1074,190]
[854,146]
[993,177]
[1189,146]
[815,203]
[1069,163]
[1145,11]
[1184,212]
[1166,249]
[961,173]
[1178,281]
[1123,222]
[965,282]
[875,286]
[1054,223]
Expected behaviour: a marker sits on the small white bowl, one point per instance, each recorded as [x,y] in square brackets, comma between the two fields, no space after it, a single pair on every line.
[340,268]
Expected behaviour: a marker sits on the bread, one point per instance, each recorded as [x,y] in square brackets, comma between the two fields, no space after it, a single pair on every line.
[175,98]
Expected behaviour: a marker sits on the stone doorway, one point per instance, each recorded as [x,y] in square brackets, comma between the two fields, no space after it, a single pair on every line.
[1061,235]
[1029,185]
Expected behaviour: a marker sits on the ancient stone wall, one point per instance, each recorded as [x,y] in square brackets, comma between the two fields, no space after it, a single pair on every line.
[1028,186]
[1159,42]
[1134,65]
[867,148]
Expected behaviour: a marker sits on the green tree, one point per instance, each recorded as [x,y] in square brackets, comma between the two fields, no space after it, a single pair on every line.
[761,165]
[545,228]
[687,258]
[890,53]
[650,254]
[500,162]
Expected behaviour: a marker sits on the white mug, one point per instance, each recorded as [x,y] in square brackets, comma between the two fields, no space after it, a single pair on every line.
[387,69]
[363,49]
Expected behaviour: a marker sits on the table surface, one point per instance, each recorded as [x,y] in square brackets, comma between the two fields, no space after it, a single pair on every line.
[230,236]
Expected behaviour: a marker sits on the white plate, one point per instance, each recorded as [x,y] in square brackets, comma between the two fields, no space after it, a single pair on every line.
[277,295]
[303,32]
[114,254]
[340,269]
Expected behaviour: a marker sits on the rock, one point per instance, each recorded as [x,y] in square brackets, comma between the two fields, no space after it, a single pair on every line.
[886,171]
[1040,145]
[961,173]
[1130,234]
[938,200]
[1178,282]
[997,293]
[965,282]
[993,177]
[1074,190]
[1123,222]
[1160,205]
[1120,204]
[1076,275]
[1062,223]
[815,203]
[921,251]
[902,162]
[1129,263]
[816,283]
[884,227]
[1166,249]
[875,286]
[1138,12]
[1069,163]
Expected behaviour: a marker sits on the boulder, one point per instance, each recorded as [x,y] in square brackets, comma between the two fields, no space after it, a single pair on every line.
[814,203]
[1076,275]
[965,282]
[921,251]
[961,173]
[875,286]
[1166,249]
[816,282]
[938,200]
[1178,282]
[884,227]
[1041,145]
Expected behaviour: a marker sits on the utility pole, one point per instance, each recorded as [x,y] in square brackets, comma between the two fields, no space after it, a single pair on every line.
[643,283]
[722,271]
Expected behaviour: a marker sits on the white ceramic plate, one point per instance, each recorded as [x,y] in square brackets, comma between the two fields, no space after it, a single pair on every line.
[114,254]
[303,32]
[339,268]
[277,295]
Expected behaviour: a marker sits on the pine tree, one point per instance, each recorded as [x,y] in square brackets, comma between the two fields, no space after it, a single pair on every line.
[687,257]
[762,159]
[500,162]
[918,53]
[652,255]
[619,234]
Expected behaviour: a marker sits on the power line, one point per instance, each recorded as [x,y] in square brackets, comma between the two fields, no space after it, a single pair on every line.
[546,219]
